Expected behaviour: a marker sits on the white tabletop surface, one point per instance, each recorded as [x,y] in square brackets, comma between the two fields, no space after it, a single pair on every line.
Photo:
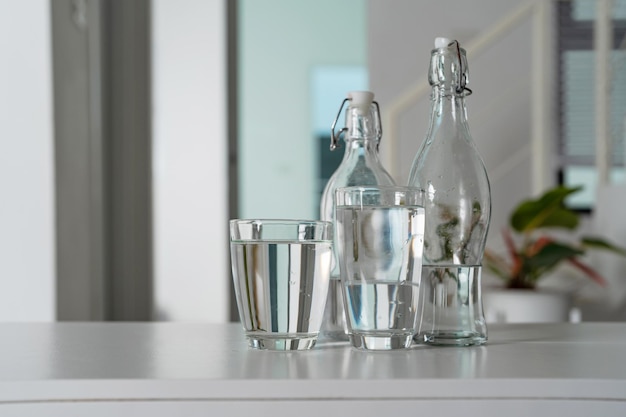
[59,362]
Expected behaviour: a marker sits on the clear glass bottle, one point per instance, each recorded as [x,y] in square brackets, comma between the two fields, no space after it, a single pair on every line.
[458,208]
[360,166]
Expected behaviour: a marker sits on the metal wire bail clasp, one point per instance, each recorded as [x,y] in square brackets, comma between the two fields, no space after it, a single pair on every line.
[334,137]
[461,87]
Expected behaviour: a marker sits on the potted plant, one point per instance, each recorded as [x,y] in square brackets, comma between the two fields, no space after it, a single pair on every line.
[532,251]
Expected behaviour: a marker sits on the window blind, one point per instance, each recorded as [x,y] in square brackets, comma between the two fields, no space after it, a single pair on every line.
[576,92]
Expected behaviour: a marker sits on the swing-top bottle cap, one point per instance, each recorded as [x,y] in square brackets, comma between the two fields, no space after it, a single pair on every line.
[361,105]
[362,100]
[448,67]
[441,42]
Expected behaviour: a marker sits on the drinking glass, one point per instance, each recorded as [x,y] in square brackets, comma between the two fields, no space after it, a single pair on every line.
[281,270]
[380,235]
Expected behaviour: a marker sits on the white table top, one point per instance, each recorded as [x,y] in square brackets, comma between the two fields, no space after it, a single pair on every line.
[178,361]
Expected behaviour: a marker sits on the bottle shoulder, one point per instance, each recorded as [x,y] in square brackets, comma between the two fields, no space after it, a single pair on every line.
[353,173]
[448,158]
[360,169]
[359,175]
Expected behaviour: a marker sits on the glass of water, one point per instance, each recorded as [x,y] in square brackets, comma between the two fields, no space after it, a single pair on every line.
[281,270]
[380,235]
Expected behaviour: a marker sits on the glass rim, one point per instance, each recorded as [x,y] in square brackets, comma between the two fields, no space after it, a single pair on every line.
[280,230]
[382,188]
[279,221]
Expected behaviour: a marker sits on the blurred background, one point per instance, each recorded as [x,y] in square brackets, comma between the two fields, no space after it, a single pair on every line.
[131,131]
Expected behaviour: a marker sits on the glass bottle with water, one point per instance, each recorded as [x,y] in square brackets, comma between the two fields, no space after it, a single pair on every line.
[458,208]
[360,166]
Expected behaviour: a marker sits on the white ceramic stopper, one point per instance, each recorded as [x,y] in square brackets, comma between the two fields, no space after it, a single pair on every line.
[361,100]
[441,42]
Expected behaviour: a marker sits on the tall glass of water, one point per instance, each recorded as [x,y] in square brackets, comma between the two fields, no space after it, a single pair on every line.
[380,235]
[281,270]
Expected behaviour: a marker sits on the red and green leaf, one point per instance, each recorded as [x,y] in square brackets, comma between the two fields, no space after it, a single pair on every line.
[551,254]
[599,243]
[591,273]
[546,211]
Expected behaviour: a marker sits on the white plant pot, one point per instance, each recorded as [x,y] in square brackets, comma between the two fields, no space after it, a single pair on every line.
[526,306]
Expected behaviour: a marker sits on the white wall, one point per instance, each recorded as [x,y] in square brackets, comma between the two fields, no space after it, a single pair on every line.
[499,111]
[27,256]
[190,157]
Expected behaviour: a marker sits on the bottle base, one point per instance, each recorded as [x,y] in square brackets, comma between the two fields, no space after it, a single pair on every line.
[333,336]
[451,338]
[282,343]
[387,342]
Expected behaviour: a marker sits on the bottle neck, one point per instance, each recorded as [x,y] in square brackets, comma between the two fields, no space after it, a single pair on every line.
[362,127]
[450,107]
